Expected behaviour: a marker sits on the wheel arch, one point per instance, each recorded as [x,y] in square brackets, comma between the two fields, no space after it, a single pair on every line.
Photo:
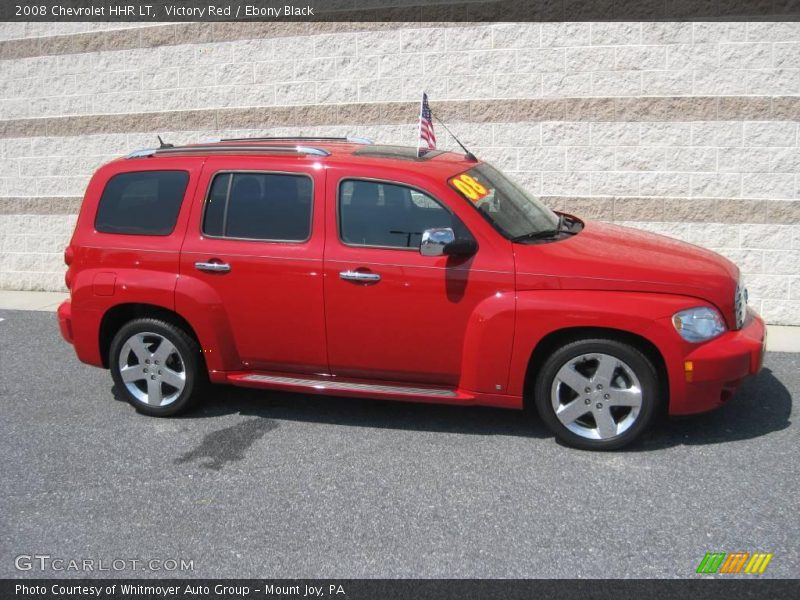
[556,339]
[116,317]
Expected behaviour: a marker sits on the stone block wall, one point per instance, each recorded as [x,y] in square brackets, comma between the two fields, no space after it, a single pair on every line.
[686,129]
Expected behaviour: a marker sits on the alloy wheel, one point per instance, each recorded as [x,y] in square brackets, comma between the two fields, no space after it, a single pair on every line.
[596,396]
[152,369]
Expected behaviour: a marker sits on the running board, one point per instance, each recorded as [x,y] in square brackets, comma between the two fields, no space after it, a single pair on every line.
[339,387]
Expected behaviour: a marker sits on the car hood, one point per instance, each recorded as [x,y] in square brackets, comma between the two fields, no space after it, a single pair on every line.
[612,257]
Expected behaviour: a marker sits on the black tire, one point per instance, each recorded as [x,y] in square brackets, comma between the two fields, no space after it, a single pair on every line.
[641,367]
[187,355]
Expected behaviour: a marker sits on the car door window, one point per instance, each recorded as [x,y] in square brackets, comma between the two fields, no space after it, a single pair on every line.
[388,215]
[259,206]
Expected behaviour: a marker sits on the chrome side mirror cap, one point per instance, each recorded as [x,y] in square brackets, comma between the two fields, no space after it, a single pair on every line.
[434,241]
[442,241]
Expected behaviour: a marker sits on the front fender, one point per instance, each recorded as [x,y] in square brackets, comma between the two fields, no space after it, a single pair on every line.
[486,354]
[543,312]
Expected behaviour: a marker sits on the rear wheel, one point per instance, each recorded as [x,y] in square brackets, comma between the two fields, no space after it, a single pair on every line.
[157,367]
[597,394]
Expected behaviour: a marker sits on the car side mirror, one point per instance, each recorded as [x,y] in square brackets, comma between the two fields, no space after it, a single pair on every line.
[441,241]
[462,247]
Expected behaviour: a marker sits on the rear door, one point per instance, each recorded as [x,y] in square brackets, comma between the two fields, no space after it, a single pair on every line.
[251,263]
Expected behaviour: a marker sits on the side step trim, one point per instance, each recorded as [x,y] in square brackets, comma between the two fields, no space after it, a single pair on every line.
[345,386]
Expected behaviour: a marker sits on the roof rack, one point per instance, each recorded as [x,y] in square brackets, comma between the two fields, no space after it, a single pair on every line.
[218,148]
[350,139]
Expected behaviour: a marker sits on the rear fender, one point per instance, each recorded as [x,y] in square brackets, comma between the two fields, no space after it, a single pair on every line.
[201,305]
[122,285]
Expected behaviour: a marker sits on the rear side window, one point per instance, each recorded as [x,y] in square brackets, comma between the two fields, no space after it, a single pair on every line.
[259,206]
[141,203]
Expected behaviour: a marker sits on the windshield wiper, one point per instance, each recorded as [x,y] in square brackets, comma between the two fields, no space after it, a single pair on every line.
[546,233]
[537,235]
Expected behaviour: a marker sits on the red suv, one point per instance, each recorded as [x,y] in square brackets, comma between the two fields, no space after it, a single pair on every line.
[334,266]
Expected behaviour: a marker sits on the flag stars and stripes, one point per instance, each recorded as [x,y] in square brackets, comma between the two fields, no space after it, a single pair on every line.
[427,138]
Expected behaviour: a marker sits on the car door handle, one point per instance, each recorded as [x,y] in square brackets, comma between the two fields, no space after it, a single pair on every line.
[212,267]
[360,276]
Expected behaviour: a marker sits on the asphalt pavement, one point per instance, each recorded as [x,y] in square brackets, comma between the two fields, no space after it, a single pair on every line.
[261,484]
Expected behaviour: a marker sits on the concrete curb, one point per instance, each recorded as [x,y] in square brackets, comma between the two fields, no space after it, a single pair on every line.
[45,301]
[780,338]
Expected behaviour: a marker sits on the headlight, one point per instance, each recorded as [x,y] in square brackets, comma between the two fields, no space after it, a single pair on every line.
[698,324]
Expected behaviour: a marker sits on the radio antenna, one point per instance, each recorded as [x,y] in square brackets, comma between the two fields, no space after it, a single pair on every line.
[467,153]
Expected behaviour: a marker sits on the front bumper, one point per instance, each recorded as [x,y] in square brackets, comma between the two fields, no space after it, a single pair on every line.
[707,375]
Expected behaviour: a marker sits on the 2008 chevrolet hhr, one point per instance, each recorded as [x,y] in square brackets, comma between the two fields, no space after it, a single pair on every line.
[334,266]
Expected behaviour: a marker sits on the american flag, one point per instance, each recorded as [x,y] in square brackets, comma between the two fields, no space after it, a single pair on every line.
[427,139]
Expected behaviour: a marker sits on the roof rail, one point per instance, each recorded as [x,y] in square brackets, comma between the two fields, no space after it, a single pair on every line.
[218,148]
[142,153]
[350,139]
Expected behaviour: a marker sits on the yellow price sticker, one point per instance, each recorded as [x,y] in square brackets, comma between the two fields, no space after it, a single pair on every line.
[470,188]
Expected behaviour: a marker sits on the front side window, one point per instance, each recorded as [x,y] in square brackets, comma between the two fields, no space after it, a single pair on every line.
[508,208]
[141,203]
[259,206]
[374,213]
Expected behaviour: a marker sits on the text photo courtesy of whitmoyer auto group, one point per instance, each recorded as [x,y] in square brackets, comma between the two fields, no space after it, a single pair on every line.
[399,299]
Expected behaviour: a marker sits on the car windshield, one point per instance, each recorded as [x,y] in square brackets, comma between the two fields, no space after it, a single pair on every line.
[510,209]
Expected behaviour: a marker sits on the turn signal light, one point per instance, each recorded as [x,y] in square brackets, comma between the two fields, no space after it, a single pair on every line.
[688,370]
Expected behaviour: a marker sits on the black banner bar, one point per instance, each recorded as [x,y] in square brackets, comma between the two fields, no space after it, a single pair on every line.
[154,11]
[743,588]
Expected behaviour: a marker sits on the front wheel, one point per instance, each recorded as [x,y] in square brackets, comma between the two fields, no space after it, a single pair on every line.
[157,367]
[597,394]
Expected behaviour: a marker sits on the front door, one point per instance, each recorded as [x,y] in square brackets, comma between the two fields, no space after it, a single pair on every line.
[254,258]
[391,313]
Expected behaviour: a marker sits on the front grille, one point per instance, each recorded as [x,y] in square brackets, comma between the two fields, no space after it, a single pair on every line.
[740,304]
